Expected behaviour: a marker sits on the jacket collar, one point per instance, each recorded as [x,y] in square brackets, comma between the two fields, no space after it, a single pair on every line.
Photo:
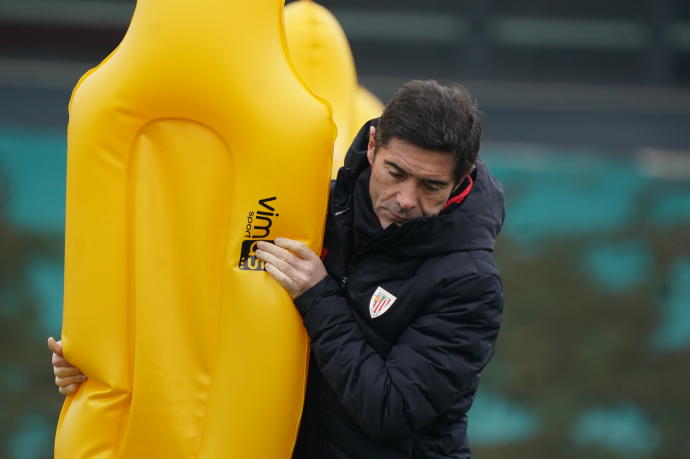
[473,223]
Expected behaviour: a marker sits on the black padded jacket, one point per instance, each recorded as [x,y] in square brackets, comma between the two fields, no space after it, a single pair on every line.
[399,385]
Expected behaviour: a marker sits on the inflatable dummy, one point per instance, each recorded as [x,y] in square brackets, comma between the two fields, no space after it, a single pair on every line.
[367,106]
[322,54]
[193,140]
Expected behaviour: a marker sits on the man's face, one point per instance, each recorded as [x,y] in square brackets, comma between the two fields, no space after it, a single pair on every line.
[407,181]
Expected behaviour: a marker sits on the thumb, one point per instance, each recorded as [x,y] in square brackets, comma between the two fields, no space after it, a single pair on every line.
[55,346]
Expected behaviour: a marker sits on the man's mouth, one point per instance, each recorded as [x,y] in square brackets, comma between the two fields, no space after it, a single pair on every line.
[397,218]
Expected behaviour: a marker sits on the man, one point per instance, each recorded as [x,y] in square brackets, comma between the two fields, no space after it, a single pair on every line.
[404,311]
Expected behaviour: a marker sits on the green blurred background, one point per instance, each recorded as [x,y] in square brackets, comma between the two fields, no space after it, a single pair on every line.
[587,124]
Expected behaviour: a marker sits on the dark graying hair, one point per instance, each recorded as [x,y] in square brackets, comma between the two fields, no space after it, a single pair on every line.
[437,117]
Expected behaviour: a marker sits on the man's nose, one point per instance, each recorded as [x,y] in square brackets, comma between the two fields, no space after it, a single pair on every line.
[407,195]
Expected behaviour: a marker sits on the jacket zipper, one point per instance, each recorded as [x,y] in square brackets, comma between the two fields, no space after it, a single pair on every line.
[341,261]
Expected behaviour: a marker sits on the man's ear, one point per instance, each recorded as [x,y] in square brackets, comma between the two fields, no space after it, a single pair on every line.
[462,180]
[371,147]
[455,187]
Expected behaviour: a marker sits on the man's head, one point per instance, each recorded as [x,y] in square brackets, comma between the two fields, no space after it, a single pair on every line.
[425,144]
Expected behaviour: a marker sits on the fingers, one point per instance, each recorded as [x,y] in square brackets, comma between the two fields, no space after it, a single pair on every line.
[275,256]
[281,278]
[292,264]
[284,248]
[297,247]
[58,361]
[69,380]
[277,252]
[63,372]
[55,346]
[70,389]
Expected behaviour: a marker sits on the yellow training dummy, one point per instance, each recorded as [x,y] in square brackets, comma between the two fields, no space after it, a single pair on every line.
[367,106]
[323,56]
[189,143]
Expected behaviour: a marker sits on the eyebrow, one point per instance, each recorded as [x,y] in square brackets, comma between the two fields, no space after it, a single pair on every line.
[428,181]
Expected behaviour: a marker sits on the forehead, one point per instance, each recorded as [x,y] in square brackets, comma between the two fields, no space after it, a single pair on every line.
[418,162]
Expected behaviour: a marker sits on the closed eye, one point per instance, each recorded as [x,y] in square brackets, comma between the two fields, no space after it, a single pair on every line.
[432,188]
[395,173]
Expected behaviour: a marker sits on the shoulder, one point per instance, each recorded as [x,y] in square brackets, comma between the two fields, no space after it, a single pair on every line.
[467,266]
[466,282]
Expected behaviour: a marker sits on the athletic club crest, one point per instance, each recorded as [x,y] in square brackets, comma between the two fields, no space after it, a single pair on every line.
[380,302]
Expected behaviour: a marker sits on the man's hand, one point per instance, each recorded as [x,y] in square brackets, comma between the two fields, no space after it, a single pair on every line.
[68,378]
[292,264]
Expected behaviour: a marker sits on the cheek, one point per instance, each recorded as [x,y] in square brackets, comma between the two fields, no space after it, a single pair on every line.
[433,206]
[388,193]
[381,188]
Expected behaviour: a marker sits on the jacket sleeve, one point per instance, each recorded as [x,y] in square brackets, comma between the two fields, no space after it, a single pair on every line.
[438,357]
